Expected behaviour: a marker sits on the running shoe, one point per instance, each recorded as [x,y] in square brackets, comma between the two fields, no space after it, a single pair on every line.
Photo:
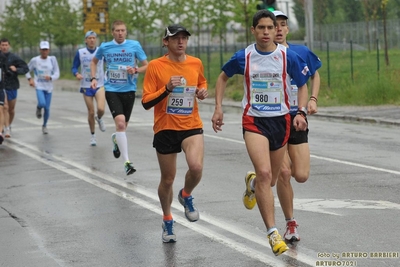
[44,130]
[168,234]
[291,234]
[116,151]
[102,126]
[129,169]
[93,141]
[38,113]
[191,212]
[1,138]
[278,246]
[249,198]
[7,133]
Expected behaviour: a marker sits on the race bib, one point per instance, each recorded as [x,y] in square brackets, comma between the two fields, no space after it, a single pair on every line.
[293,97]
[266,95]
[117,74]
[41,74]
[181,100]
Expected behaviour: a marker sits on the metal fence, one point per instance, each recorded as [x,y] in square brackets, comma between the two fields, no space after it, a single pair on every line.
[358,36]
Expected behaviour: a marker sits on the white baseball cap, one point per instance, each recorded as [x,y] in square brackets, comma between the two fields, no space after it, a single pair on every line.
[279,13]
[44,45]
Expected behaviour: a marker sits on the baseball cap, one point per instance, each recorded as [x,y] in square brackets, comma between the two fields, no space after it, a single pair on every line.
[89,33]
[279,13]
[44,45]
[171,30]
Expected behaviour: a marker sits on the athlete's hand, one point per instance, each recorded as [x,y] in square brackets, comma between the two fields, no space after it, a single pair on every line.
[31,82]
[201,93]
[131,70]
[13,68]
[94,84]
[300,123]
[175,81]
[312,107]
[217,119]
[79,76]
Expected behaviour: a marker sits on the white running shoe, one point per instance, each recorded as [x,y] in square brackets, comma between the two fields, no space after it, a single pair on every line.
[102,126]
[291,235]
[7,132]
[93,140]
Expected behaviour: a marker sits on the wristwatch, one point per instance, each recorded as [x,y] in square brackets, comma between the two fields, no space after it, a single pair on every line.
[303,109]
[93,78]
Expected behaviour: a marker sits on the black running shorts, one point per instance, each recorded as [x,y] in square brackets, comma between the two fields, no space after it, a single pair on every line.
[170,141]
[297,137]
[121,103]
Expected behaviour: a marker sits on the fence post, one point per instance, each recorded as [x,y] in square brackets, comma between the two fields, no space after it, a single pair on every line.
[351,61]
[327,59]
[377,56]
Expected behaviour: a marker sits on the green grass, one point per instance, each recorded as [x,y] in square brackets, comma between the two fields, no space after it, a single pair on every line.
[366,86]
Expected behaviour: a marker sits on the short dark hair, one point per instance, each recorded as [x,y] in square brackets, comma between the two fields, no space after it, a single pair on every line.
[4,40]
[263,14]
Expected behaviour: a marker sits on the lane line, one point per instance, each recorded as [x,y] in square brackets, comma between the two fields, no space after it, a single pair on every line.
[319,157]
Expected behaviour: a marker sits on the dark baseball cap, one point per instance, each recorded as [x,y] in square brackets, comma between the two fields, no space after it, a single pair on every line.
[171,30]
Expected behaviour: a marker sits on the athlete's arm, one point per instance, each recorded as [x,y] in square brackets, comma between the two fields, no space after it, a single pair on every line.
[75,65]
[218,116]
[312,102]
[143,66]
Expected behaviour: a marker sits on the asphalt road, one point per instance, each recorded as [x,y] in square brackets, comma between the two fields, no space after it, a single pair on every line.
[65,203]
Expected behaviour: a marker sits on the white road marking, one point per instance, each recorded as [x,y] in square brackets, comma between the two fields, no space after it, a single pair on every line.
[318,157]
[321,205]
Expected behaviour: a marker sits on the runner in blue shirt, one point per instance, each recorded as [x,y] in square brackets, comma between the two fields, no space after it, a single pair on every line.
[297,159]
[121,57]
[267,68]
[82,59]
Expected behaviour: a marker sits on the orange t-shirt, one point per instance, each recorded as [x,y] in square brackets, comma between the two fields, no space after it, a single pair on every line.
[179,110]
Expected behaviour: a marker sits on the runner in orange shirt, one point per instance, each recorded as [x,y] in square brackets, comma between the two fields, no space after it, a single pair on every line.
[171,85]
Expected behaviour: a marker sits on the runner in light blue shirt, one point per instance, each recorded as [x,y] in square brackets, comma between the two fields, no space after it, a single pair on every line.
[121,58]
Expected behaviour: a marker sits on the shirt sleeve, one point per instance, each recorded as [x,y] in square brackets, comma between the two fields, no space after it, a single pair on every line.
[235,65]
[297,68]
[76,63]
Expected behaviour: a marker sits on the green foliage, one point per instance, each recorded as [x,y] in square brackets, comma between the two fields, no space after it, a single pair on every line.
[52,20]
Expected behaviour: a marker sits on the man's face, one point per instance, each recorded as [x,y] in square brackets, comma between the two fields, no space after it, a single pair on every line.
[5,47]
[264,32]
[282,30]
[91,41]
[44,53]
[119,33]
[177,44]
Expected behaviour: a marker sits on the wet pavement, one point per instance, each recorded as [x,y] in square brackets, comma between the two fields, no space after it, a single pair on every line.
[28,249]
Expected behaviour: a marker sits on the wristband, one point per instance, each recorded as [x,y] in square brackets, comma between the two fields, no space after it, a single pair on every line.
[166,88]
[93,78]
[314,99]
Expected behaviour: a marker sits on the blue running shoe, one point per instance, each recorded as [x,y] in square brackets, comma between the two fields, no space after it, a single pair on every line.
[168,234]
[191,212]
[116,151]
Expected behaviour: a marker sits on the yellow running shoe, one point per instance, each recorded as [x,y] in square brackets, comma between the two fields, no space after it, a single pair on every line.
[277,244]
[249,198]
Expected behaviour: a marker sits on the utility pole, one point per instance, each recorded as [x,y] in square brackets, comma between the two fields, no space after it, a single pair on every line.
[308,10]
